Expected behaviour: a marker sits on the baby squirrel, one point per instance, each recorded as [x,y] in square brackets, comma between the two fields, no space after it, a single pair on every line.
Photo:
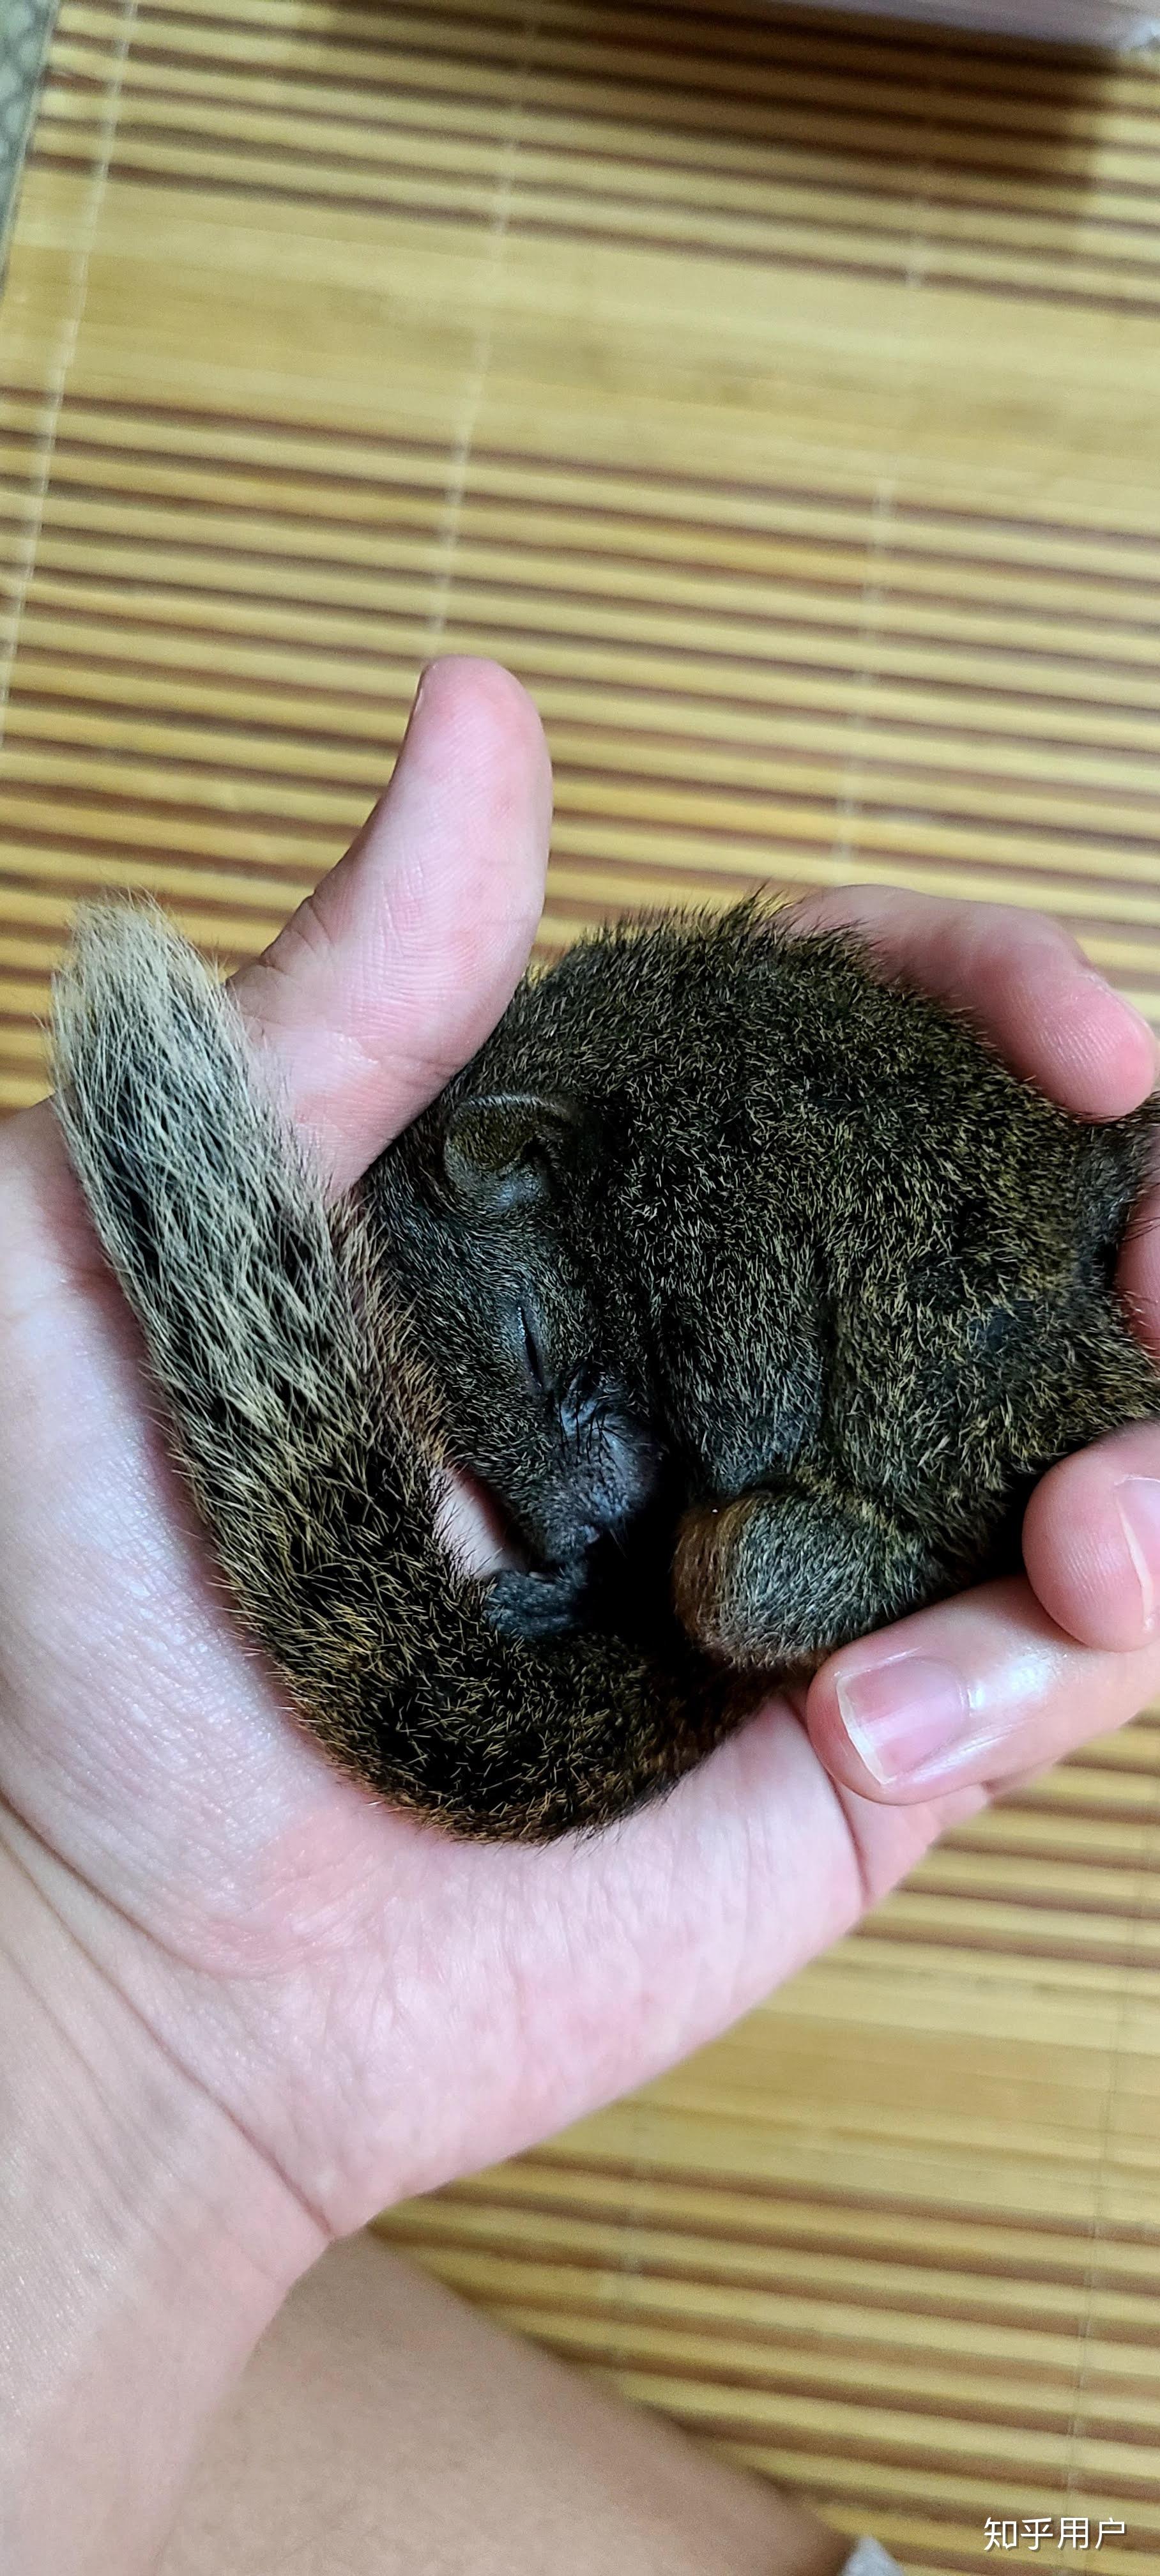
[748,1281]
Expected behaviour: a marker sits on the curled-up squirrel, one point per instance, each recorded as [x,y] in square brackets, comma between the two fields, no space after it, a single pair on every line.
[748,1282]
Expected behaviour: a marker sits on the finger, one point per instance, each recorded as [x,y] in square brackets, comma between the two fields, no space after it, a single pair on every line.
[1091,1540]
[1020,976]
[399,964]
[1091,1531]
[974,1692]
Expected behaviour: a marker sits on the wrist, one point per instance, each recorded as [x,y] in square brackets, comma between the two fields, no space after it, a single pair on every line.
[146,2245]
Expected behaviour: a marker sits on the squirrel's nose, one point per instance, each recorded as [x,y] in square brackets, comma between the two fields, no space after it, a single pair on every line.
[582,1400]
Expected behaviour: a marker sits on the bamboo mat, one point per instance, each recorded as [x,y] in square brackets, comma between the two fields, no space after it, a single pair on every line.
[781,398]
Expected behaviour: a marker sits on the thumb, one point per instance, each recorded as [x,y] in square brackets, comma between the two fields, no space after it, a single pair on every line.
[400,963]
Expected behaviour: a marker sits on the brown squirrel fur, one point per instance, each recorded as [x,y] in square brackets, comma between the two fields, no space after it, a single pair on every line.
[748,1281]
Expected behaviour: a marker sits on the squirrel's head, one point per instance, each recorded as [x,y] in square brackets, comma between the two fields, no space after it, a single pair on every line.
[547,1220]
[486,1210]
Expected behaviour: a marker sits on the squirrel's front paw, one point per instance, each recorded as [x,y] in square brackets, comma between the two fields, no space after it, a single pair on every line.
[536,1605]
[773,1582]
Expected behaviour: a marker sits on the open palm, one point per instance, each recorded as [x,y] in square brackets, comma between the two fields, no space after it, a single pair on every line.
[379,2007]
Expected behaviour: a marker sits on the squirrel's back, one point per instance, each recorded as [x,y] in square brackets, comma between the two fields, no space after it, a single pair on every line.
[816,1218]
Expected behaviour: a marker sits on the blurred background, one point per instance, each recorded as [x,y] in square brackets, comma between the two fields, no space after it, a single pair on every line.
[779,395]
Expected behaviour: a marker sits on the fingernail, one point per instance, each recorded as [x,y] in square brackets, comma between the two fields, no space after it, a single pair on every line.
[903,1715]
[1138,1504]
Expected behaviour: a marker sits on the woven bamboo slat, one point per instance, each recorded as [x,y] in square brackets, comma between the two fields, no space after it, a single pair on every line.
[780,396]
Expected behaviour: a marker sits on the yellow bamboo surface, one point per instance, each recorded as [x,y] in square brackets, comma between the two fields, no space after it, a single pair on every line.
[781,398]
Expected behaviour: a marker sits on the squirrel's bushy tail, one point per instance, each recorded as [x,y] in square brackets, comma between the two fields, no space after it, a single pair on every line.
[309,1429]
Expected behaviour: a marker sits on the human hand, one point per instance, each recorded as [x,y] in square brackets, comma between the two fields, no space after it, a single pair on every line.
[377,2007]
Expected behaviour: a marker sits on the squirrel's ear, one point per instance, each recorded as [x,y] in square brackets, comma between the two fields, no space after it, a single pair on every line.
[508,1150]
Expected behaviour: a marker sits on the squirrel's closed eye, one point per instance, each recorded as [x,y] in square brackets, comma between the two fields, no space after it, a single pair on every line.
[531,1351]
